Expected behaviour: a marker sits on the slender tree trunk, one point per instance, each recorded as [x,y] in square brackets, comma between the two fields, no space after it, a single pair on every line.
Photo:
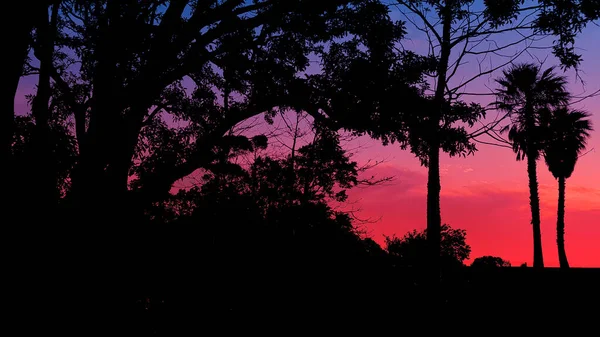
[434,218]
[560,225]
[534,202]
[433,211]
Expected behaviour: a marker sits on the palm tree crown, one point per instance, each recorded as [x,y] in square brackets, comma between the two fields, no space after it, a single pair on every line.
[526,93]
[567,134]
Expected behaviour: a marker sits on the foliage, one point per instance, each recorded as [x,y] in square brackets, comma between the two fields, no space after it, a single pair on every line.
[63,152]
[489,262]
[566,19]
[411,249]
[156,86]
[527,93]
[274,205]
[315,173]
[563,19]
[566,138]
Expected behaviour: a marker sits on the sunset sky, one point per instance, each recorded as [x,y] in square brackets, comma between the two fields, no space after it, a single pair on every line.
[485,194]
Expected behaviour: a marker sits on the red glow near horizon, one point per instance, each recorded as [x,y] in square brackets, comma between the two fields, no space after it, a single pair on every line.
[488,196]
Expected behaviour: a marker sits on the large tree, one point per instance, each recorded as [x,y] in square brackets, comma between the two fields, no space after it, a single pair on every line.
[153,88]
[131,65]
[28,16]
[567,134]
[527,93]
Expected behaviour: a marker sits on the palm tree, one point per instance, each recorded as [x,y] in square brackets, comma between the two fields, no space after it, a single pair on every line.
[568,131]
[525,93]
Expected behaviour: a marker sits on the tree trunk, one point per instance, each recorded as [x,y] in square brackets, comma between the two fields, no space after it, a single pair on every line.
[434,217]
[433,211]
[45,179]
[560,225]
[16,48]
[534,202]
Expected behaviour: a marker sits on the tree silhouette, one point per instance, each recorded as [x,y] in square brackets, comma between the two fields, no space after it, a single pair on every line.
[273,209]
[489,262]
[27,16]
[43,45]
[60,163]
[526,92]
[411,249]
[564,19]
[242,58]
[135,98]
[423,123]
[456,28]
[568,131]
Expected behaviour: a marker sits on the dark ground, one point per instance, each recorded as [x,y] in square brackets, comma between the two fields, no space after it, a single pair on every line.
[342,302]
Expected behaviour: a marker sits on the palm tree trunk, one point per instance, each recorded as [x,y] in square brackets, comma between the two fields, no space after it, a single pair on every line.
[534,202]
[560,225]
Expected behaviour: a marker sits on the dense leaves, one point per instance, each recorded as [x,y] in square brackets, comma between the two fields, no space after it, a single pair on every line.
[411,249]
[527,93]
[273,205]
[162,83]
[489,262]
[60,163]
[566,19]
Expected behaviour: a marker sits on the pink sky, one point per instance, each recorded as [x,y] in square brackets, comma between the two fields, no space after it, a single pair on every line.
[487,194]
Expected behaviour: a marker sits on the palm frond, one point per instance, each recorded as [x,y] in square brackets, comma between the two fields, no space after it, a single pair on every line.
[527,93]
[567,132]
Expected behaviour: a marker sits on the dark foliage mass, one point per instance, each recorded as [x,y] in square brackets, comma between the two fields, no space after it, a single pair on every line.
[489,262]
[135,97]
[410,250]
[276,208]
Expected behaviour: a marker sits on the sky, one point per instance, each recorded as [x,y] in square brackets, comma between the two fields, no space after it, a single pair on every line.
[487,193]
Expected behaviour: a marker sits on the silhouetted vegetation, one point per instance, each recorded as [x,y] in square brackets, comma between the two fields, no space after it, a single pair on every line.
[567,134]
[526,92]
[489,262]
[142,199]
[411,249]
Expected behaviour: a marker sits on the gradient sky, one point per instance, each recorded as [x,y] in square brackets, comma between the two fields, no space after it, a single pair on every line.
[487,193]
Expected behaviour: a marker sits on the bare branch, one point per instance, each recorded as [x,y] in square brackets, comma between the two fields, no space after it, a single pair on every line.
[419,12]
[581,98]
[493,144]
[489,126]
[486,72]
